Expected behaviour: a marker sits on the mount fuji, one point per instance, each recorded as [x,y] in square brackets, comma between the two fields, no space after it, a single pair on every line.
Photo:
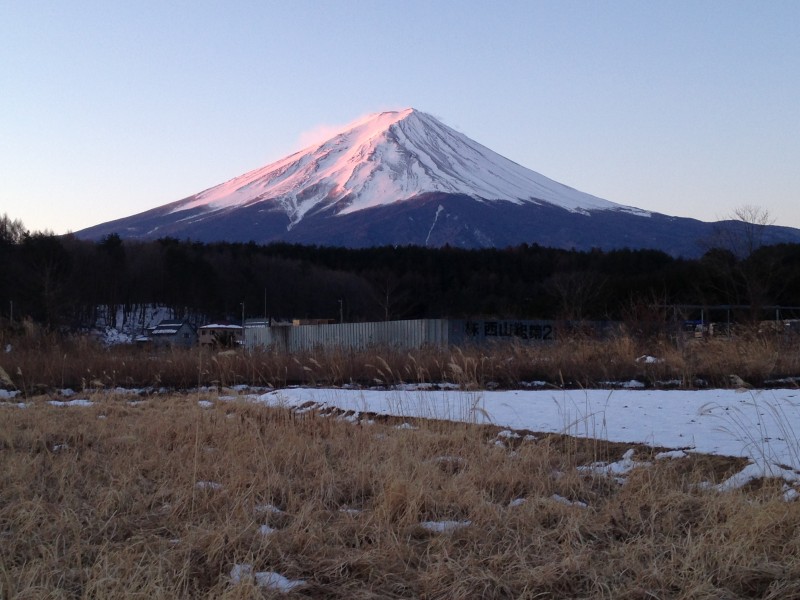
[405,178]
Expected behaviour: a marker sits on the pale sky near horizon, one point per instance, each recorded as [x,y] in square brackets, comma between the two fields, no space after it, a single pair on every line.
[111,108]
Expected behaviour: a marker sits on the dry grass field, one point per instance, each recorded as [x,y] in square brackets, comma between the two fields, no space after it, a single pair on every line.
[174,494]
[40,361]
[189,496]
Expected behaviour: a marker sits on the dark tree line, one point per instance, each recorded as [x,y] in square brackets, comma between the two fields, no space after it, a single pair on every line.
[60,281]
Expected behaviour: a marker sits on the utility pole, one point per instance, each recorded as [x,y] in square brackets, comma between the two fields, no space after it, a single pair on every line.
[341,312]
[242,303]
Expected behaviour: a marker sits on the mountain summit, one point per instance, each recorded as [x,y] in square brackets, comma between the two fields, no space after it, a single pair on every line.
[403,177]
[386,158]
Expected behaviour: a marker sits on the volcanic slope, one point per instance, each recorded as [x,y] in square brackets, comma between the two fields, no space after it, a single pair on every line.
[400,178]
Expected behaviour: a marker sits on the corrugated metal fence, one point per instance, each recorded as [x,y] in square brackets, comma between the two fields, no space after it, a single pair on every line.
[403,335]
[352,336]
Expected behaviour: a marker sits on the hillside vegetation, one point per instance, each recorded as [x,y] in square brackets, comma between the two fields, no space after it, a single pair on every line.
[61,281]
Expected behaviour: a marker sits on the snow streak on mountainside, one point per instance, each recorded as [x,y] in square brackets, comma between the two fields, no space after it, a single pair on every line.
[387,158]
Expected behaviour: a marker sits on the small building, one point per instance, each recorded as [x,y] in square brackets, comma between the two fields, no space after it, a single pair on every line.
[226,335]
[174,333]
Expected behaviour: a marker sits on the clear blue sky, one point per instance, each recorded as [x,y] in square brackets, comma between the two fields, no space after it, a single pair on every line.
[110,108]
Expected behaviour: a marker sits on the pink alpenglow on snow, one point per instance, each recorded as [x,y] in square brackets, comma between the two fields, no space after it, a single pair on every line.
[390,157]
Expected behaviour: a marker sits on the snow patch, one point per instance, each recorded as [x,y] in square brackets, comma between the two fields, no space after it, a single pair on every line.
[568,502]
[790,494]
[208,485]
[266,530]
[508,434]
[244,573]
[671,454]
[755,471]
[649,360]
[78,402]
[444,526]
[621,467]
[269,509]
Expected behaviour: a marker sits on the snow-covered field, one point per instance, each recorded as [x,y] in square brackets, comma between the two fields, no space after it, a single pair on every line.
[761,425]
[753,423]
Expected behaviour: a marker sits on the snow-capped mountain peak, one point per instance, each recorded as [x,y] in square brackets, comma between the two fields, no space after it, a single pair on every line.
[387,158]
[404,178]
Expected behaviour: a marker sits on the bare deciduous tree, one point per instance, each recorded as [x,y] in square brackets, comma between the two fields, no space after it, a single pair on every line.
[753,222]
[747,272]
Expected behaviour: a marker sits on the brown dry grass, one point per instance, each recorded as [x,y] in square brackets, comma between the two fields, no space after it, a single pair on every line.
[103,502]
[40,362]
